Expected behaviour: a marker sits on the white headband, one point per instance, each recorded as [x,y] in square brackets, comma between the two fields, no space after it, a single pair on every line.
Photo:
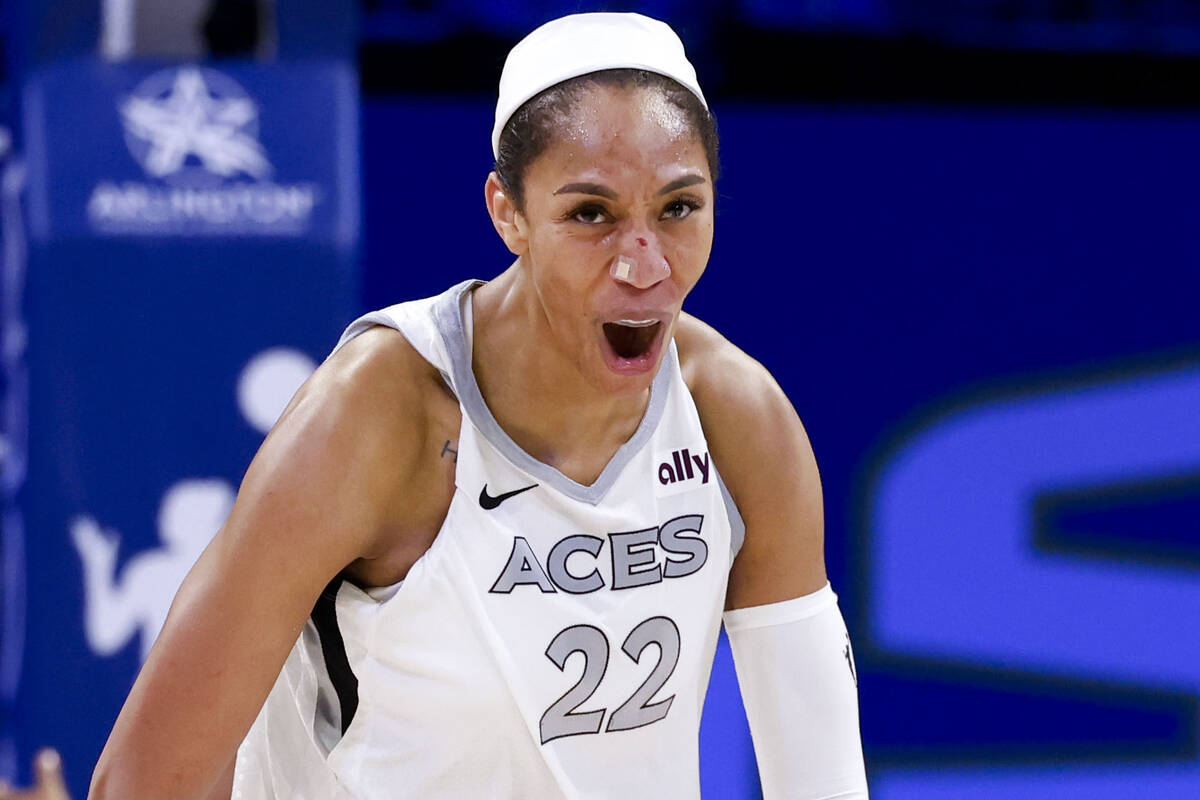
[581,43]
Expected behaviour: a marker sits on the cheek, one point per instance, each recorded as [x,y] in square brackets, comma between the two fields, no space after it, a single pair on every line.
[566,277]
[571,257]
[692,249]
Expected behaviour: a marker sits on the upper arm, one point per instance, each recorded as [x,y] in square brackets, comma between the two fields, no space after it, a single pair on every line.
[764,456]
[313,500]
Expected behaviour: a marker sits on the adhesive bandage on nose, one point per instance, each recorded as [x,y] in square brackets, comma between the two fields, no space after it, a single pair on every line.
[622,268]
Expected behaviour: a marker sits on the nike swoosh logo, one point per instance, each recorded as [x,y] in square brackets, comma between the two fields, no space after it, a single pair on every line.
[488,502]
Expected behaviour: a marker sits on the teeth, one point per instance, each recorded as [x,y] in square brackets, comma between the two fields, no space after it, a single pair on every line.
[636,323]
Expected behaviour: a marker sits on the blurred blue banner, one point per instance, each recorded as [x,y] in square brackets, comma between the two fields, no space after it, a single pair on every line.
[155,150]
[193,257]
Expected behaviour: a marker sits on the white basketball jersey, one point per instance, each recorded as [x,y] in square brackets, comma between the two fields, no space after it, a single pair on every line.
[555,641]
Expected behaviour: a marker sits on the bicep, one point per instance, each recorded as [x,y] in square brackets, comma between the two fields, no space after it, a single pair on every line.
[783,555]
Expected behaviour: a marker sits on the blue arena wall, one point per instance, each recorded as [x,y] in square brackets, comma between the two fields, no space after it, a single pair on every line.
[185,251]
[986,318]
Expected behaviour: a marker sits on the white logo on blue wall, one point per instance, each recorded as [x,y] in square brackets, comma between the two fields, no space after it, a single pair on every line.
[115,609]
[194,132]
[133,600]
[193,127]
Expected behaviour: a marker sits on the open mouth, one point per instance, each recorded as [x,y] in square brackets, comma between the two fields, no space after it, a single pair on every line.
[631,339]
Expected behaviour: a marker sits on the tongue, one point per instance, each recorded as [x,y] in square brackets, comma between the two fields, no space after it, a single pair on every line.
[630,342]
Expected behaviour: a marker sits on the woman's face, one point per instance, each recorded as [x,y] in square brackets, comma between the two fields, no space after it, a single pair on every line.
[617,228]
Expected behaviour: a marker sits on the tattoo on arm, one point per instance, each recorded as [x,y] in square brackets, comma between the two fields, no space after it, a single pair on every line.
[446,448]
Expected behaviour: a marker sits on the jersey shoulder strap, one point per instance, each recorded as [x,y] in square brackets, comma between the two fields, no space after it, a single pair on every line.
[421,322]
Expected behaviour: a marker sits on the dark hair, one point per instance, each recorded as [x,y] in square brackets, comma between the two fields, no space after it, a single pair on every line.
[533,127]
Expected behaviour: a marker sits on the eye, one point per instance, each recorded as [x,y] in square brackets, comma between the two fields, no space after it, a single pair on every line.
[589,214]
[681,207]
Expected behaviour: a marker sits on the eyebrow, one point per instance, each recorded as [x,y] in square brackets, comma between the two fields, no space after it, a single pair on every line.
[686,180]
[587,188]
[601,190]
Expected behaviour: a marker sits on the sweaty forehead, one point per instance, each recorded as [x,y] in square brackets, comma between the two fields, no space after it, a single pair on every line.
[625,122]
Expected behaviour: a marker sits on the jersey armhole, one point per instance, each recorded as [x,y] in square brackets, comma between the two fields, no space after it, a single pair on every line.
[737,526]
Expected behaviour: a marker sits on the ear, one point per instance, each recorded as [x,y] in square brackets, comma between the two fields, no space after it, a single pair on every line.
[507,220]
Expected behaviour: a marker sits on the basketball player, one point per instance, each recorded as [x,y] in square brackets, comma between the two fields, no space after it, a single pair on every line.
[487,550]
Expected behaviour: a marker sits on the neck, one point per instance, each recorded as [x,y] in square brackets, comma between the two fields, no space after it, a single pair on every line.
[537,393]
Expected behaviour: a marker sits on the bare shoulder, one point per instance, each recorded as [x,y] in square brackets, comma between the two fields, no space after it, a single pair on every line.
[741,405]
[371,393]
[763,453]
[720,374]
[367,412]
[377,367]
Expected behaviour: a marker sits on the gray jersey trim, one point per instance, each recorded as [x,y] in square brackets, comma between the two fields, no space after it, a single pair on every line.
[737,526]
[447,316]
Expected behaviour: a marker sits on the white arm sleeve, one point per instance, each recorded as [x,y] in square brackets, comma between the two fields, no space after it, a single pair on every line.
[799,685]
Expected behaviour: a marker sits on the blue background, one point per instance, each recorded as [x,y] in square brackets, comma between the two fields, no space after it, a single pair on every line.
[955,297]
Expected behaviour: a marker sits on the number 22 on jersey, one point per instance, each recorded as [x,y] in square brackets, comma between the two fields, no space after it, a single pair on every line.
[561,718]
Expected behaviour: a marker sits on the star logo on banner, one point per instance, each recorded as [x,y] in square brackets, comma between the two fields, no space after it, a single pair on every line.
[165,128]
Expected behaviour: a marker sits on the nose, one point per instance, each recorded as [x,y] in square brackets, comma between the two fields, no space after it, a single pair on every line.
[641,263]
